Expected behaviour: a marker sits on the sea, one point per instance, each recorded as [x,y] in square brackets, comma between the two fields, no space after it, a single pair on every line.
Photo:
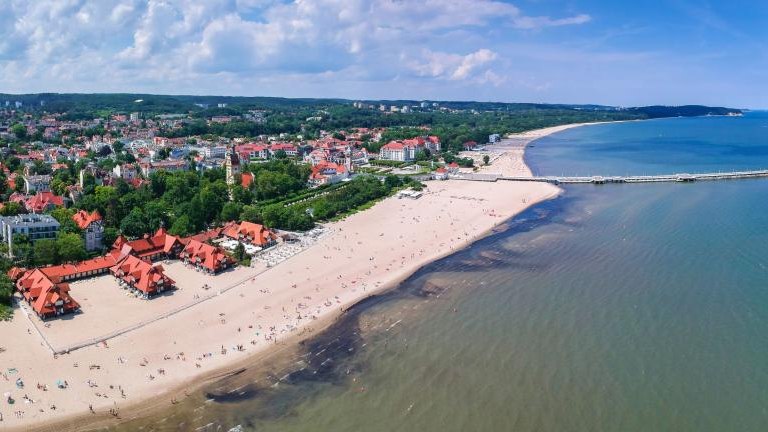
[635,307]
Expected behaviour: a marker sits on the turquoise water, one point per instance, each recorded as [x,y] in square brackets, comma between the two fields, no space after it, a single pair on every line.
[612,308]
[662,146]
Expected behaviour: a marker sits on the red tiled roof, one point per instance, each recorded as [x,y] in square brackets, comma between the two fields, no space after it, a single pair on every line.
[83,219]
[257,234]
[41,201]
[16,272]
[141,275]
[61,271]
[210,257]
[246,179]
[393,145]
[50,295]
[324,168]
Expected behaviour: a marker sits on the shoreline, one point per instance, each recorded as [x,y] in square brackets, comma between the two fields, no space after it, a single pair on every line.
[150,400]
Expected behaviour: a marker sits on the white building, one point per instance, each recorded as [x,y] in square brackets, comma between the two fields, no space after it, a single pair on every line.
[397,151]
[34,226]
[93,228]
[126,172]
[215,152]
[37,183]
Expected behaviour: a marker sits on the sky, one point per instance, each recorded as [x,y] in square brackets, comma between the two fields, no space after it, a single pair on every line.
[614,52]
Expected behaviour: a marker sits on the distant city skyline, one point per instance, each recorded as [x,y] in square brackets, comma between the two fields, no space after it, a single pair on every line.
[542,51]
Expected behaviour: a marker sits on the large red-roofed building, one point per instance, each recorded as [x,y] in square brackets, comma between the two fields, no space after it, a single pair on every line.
[206,257]
[141,276]
[249,232]
[48,297]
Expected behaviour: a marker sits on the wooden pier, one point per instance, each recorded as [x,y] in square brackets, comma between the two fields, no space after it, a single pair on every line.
[664,178]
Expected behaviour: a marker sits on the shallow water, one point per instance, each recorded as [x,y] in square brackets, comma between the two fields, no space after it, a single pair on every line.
[615,307]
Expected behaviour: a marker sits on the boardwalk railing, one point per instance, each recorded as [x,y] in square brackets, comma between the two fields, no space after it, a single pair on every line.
[681,177]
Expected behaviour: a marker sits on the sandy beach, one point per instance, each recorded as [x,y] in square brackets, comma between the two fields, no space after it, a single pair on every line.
[249,310]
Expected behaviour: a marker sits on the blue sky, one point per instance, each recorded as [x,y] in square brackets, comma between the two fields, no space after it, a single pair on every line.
[573,51]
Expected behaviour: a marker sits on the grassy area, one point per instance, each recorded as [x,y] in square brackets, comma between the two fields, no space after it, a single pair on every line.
[6,297]
[387,163]
[6,312]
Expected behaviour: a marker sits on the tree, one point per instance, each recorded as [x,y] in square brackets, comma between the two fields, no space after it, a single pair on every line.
[109,236]
[486,159]
[104,151]
[422,155]
[134,225]
[19,187]
[39,167]
[156,214]
[281,154]
[231,211]
[6,296]
[71,247]
[19,130]
[251,214]
[58,186]
[182,226]
[241,195]
[239,251]
[46,252]
[12,209]
[163,153]
[392,181]
[64,217]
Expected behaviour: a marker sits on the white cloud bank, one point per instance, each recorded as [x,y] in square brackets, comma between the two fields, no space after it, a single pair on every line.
[251,46]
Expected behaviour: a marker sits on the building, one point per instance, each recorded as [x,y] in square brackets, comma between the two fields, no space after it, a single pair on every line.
[38,203]
[397,151]
[150,248]
[93,228]
[147,168]
[252,233]
[34,226]
[141,277]
[47,297]
[470,145]
[328,173]
[232,166]
[125,171]
[215,152]
[37,183]
[494,138]
[134,117]
[252,151]
[440,174]
[289,149]
[82,269]
[405,150]
[205,257]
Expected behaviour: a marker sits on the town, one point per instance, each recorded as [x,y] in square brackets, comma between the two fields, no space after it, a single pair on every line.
[114,194]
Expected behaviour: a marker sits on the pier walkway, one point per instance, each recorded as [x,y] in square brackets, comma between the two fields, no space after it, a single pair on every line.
[680,178]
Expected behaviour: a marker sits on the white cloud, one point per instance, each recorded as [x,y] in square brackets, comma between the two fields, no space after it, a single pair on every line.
[192,45]
[452,66]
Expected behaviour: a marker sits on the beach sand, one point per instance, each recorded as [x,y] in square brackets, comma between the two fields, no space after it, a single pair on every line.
[361,255]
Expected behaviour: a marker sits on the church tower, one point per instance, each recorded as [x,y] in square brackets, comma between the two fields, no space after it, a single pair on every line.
[232,165]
